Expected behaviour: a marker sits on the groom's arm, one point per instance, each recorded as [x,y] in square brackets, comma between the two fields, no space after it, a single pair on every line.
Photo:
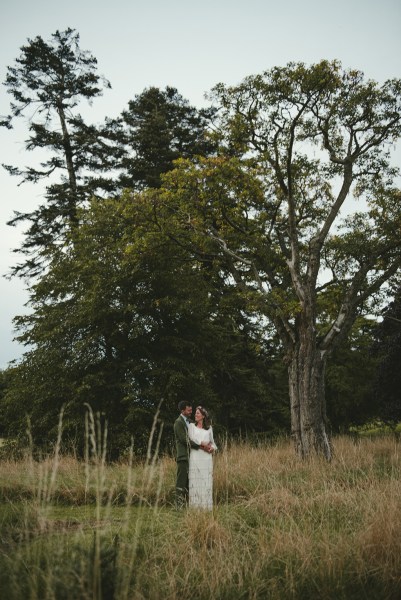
[203,446]
[180,432]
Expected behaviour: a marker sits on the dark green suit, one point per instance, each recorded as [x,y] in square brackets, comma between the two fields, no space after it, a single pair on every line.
[183,446]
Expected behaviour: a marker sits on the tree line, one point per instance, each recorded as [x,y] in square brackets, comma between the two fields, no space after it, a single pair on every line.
[206,254]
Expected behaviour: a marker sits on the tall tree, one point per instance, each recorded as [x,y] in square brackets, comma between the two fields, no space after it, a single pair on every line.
[387,350]
[159,127]
[295,144]
[47,83]
[122,320]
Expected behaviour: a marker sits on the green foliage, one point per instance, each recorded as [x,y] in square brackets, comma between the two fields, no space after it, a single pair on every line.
[269,205]
[349,385]
[374,428]
[297,146]
[225,254]
[159,127]
[122,320]
[387,351]
[47,83]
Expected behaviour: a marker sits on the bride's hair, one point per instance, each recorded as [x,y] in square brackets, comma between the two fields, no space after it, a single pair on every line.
[206,419]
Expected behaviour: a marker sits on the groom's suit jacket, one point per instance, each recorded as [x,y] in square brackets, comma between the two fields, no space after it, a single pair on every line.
[182,442]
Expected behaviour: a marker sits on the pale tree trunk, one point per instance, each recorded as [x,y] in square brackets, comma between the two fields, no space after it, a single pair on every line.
[306,372]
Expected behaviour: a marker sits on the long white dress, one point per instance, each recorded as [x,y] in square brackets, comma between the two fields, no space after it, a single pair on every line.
[201,469]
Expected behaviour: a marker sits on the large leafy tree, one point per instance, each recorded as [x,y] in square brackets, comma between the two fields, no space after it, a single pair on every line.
[47,83]
[298,147]
[122,320]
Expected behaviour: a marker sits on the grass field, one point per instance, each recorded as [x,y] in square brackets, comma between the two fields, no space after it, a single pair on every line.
[280,528]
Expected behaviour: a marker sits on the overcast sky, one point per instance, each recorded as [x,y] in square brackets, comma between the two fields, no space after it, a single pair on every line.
[186,44]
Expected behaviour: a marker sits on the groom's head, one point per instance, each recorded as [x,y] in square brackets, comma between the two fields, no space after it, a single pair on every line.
[185,408]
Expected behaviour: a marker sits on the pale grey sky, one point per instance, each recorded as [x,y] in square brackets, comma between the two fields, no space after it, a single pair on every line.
[186,44]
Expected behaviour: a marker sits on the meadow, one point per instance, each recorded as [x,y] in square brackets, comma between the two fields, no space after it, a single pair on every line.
[281,528]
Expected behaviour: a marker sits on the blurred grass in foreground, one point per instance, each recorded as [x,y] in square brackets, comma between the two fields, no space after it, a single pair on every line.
[281,528]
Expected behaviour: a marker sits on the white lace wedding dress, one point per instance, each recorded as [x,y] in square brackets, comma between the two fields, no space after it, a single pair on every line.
[201,469]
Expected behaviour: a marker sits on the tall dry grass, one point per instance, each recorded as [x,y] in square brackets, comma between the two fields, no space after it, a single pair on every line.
[280,528]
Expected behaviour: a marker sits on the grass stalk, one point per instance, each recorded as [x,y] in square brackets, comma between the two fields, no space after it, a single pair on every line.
[280,528]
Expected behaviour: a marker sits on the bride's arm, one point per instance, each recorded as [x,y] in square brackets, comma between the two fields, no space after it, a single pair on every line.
[194,440]
[212,439]
[192,437]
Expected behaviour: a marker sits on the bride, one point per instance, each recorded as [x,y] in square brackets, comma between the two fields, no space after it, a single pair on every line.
[201,462]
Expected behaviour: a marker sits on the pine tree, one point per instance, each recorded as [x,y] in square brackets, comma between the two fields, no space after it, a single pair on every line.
[47,83]
[160,126]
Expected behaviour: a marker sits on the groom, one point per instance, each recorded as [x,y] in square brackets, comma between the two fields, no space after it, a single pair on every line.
[183,445]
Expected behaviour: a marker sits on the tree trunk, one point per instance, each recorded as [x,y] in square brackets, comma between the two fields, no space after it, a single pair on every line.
[307,398]
[72,179]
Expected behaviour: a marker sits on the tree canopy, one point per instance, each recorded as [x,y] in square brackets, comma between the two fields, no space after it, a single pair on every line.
[47,83]
[122,320]
[159,127]
[252,237]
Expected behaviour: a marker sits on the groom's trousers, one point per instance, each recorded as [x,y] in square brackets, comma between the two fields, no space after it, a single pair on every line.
[181,488]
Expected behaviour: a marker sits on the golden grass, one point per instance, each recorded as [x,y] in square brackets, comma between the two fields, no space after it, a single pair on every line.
[280,528]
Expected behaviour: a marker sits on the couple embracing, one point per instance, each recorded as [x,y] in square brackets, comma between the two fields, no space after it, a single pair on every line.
[195,447]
